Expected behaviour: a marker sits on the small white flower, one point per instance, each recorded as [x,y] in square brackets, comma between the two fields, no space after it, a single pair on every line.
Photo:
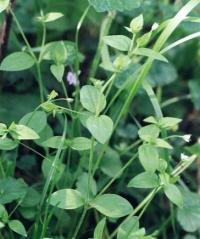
[187,137]
[154,26]
[184,157]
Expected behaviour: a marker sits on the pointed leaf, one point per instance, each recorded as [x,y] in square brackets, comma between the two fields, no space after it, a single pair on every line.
[150,53]
[18,227]
[3,5]
[119,42]
[98,233]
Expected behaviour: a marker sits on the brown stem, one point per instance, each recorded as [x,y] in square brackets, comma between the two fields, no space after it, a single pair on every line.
[4,37]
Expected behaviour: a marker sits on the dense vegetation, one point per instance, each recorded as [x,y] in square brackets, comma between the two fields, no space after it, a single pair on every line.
[99,119]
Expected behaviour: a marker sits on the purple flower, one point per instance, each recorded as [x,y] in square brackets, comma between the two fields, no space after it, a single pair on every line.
[71,78]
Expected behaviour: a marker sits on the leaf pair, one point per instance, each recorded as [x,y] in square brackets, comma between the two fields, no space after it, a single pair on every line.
[93,100]
[110,205]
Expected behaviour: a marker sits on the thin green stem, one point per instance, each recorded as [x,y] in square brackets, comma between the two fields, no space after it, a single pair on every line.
[90,166]
[80,223]
[175,100]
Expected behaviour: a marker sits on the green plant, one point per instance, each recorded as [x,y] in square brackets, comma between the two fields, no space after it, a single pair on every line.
[87,167]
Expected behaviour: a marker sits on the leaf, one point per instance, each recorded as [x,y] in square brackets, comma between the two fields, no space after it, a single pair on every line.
[169,122]
[162,144]
[35,120]
[58,72]
[11,189]
[150,53]
[66,199]
[31,199]
[114,5]
[149,132]
[137,24]
[100,127]
[194,87]
[46,167]
[18,227]
[3,5]
[52,16]
[128,228]
[3,214]
[149,157]
[98,232]
[112,205]
[174,194]
[81,143]
[54,143]
[145,180]
[8,144]
[3,129]
[119,42]
[23,132]
[92,99]
[82,186]
[189,215]
[111,163]
[17,61]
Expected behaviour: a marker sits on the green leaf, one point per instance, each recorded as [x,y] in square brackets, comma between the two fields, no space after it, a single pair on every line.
[52,16]
[17,61]
[174,194]
[45,134]
[54,143]
[82,186]
[112,205]
[168,122]
[189,215]
[194,87]
[3,129]
[46,167]
[145,180]
[4,4]
[118,42]
[114,5]
[92,99]
[162,144]
[18,227]
[66,199]
[31,199]
[58,72]
[137,24]
[8,144]
[11,189]
[100,127]
[150,53]
[98,232]
[23,132]
[149,157]
[81,143]
[3,214]
[149,132]
[111,163]
[35,120]
[128,228]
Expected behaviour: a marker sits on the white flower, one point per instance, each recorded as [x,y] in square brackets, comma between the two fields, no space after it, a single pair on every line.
[184,157]
[187,137]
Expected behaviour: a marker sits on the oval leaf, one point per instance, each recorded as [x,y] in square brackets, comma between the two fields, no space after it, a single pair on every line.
[174,194]
[66,199]
[145,180]
[100,127]
[149,157]
[92,99]
[112,205]
[17,61]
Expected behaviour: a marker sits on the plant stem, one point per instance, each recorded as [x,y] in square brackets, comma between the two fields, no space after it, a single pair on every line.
[175,100]
[105,28]
[80,223]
